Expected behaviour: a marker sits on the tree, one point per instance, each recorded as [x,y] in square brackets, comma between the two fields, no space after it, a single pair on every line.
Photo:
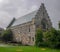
[39,37]
[58,39]
[52,38]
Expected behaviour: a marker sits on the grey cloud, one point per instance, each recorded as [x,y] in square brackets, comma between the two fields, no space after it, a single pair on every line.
[17,8]
[53,11]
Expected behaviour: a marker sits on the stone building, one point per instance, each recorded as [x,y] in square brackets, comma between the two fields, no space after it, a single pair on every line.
[25,27]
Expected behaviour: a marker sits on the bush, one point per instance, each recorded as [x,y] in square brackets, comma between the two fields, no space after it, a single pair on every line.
[52,38]
[7,35]
[39,37]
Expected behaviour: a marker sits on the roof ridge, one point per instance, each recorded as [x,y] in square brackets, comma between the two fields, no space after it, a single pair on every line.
[25,18]
[27,14]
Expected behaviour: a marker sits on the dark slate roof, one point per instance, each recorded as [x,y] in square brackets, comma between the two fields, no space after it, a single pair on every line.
[12,21]
[25,18]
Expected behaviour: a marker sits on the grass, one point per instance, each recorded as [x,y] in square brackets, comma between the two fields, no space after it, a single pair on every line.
[26,49]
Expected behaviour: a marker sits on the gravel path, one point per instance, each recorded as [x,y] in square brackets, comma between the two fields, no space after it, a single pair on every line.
[4,45]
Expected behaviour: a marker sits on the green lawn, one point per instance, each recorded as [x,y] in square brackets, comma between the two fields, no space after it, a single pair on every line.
[26,49]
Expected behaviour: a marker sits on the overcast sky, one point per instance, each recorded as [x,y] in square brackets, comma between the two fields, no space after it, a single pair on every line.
[17,8]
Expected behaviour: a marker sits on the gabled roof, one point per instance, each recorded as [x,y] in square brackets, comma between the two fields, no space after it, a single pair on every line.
[25,18]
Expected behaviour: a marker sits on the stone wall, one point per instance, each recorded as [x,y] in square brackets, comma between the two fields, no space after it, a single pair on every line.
[42,19]
[24,33]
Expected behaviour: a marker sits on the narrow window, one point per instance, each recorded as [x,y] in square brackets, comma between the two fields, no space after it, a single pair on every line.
[33,38]
[43,13]
[59,24]
[29,28]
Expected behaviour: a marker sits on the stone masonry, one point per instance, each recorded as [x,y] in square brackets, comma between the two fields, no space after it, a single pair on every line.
[25,32]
